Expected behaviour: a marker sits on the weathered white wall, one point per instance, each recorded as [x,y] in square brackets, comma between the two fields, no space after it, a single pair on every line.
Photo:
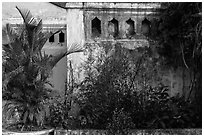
[75,35]
[74,18]
[59,74]
[177,80]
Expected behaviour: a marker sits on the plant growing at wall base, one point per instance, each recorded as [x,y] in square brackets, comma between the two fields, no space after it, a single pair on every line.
[112,80]
[180,41]
[121,123]
[26,69]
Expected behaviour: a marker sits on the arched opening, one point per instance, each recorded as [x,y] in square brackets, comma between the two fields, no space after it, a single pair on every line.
[96,27]
[113,28]
[146,26]
[52,38]
[61,37]
[130,29]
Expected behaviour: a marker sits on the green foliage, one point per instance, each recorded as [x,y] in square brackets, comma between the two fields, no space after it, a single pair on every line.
[112,80]
[26,69]
[150,106]
[179,35]
[127,86]
[59,117]
[121,123]
[184,114]
[57,108]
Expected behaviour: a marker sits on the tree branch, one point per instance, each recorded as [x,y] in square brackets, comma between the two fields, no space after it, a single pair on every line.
[184,61]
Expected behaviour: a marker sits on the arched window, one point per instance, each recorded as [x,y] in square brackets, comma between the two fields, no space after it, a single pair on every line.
[146,26]
[130,29]
[113,28]
[52,38]
[96,27]
[61,37]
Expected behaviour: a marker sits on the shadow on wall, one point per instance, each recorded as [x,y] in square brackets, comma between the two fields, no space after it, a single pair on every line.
[177,80]
[58,78]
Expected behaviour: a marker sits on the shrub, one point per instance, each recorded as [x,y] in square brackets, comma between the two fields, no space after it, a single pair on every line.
[121,123]
[112,81]
[129,80]
[57,110]
[26,70]
[60,114]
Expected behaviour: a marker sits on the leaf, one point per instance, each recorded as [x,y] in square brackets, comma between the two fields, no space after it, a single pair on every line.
[31,116]
[74,48]
[8,34]
[17,95]
[50,84]
[43,37]
[38,29]
[27,16]
[25,116]
[47,111]
[37,119]
[40,117]
[12,74]
[162,124]
[9,109]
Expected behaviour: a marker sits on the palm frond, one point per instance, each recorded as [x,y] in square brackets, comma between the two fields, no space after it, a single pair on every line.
[9,35]
[74,48]
[43,37]
[54,59]
[12,74]
[38,29]
[10,107]
[27,16]
[26,68]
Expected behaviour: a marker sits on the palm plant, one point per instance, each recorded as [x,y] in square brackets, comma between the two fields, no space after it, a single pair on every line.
[26,69]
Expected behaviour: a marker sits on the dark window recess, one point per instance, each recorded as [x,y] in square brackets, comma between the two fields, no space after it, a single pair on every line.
[146,26]
[130,30]
[61,37]
[96,27]
[52,38]
[113,28]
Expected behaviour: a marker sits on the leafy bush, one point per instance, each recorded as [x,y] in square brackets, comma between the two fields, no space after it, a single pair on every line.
[57,110]
[59,114]
[160,110]
[26,70]
[121,123]
[150,106]
[185,114]
[112,80]
[129,80]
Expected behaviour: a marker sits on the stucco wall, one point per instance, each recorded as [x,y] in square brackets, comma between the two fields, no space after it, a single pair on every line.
[75,36]
[79,29]
[78,18]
